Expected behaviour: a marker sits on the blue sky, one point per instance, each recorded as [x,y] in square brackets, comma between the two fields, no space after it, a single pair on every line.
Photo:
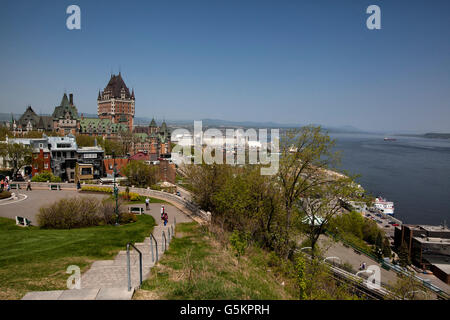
[283,61]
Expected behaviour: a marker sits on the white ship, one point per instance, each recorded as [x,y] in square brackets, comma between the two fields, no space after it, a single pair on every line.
[386,207]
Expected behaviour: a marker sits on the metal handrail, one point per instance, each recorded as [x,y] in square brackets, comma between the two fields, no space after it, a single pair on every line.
[168,235]
[165,241]
[156,247]
[128,265]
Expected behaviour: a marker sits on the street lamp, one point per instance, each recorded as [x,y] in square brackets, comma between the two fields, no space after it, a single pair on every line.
[116,190]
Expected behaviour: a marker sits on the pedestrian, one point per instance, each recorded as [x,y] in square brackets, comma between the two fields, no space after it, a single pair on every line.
[78,185]
[2,184]
[364,266]
[162,212]
[29,185]
[165,218]
[8,187]
[147,203]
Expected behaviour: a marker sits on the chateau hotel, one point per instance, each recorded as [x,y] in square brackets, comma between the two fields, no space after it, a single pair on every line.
[115,110]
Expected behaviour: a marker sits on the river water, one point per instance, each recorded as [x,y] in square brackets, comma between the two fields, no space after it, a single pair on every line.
[413,172]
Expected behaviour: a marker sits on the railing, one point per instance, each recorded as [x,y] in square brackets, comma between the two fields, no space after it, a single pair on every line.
[438,291]
[163,236]
[151,247]
[129,267]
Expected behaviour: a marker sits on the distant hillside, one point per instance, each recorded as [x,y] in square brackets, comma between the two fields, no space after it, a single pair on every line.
[437,135]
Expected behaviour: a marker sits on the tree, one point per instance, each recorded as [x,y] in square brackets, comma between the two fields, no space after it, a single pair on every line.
[321,202]
[305,155]
[403,255]
[386,248]
[18,155]
[379,246]
[140,174]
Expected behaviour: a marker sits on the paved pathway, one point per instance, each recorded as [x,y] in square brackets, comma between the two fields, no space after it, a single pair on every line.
[106,279]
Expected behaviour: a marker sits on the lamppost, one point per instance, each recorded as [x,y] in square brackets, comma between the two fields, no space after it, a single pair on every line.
[116,190]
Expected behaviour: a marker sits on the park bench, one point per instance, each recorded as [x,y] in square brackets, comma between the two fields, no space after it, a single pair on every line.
[54,187]
[24,222]
[15,186]
[136,210]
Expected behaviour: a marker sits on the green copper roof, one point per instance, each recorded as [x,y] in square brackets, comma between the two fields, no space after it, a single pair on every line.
[63,108]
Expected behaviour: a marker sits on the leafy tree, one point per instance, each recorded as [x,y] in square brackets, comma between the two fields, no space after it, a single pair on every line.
[140,174]
[379,246]
[387,248]
[18,155]
[305,155]
[4,132]
[322,202]
[300,268]
[403,255]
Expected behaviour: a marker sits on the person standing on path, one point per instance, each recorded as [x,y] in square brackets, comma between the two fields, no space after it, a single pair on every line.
[147,203]
[29,185]
[162,212]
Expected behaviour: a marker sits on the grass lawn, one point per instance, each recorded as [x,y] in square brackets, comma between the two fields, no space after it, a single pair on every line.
[33,259]
[197,267]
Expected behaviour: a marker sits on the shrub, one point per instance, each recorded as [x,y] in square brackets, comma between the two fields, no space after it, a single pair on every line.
[97,189]
[78,213]
[5,194]
[45,176]
[127,218]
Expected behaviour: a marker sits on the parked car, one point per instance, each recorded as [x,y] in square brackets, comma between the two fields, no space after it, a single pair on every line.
[387,226]
[379,221]
[391,222]
[395,225]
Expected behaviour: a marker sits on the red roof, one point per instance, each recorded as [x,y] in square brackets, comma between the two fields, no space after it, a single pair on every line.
[140,156]
[109,164]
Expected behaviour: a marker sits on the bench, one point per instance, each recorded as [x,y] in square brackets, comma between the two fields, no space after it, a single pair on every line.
[15,186]
[54,187]
[136,210]
[23,222]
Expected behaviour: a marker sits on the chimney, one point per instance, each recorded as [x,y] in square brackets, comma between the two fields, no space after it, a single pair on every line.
[71,98]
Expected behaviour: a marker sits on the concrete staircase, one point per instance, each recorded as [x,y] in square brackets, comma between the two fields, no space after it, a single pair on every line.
[108,279]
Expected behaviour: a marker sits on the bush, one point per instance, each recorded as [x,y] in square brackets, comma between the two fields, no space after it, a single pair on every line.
[97,189]
[79,213]
[127,218]
[45,176]
[5,194]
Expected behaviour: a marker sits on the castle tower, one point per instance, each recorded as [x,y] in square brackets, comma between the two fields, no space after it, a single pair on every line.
[116,103]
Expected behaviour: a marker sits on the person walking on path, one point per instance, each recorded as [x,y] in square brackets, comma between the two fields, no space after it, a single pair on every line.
[162,212]
[147,203]
[29,185]
[2,185]
[165,218]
